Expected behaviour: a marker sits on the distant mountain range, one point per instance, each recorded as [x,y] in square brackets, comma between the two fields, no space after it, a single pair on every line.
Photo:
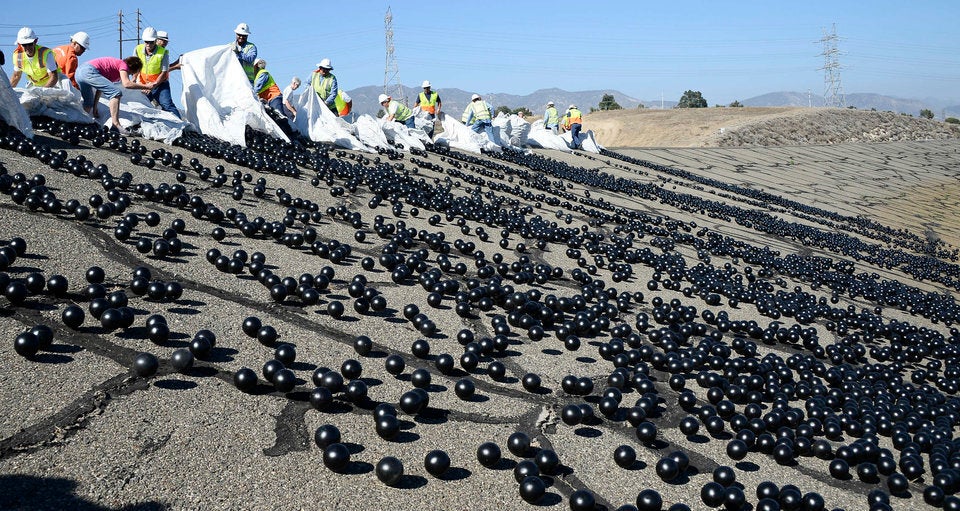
[455,100]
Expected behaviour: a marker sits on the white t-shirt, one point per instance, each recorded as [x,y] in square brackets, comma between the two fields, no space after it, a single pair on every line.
[288,92]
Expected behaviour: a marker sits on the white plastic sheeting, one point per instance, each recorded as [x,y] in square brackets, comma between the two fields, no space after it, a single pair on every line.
[60,104]
[136,109]
[400,134]
[10,108]
[513,129]
[218,98]
[544,138]
[316,122]
[458,136]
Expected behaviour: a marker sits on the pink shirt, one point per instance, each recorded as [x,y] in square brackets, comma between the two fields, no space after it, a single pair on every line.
[110,67]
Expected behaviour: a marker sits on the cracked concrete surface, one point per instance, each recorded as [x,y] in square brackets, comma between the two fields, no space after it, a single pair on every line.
[79,430]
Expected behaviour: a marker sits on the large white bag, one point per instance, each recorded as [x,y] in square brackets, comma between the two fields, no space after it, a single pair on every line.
[218,98]
[10,108]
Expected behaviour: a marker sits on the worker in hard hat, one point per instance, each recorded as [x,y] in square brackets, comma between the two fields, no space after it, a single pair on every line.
[479,116]
[572,121]
[99,77]
[266,87]
[325,85]
[36,61]
[397,111]
[429,102]
[66,56]
[551,118]
[163,39]
[156,70]
[288,92]
[245,50]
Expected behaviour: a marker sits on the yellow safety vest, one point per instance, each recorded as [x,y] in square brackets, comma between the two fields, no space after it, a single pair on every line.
[429,103]
[573,116]
[35,67]
[343,106]
[269,90]
[552,117]
[322,85]
[480,111]
[403,111]
[152,65]
[247,68]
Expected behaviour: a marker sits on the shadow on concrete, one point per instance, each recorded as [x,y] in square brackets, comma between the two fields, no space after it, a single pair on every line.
[31,493]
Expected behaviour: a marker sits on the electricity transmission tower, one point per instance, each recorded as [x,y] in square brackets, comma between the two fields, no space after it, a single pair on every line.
[833,89]
[121,39]
[391,72]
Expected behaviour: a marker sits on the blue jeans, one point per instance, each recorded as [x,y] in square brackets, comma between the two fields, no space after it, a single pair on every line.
[161,94]
[90,80]
[409,123]
[483,126]
[575,133]
[277,104]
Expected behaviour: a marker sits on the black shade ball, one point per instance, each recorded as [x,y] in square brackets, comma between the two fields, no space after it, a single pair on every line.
[146,365]
[389,470]
[436,463]
[488,454]
[245,379]
[336,457]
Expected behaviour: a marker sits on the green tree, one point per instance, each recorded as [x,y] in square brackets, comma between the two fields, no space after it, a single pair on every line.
[522,110]
[608,103]
[692,99]
[504,109]
[951,120]
[736,104]
[926,113]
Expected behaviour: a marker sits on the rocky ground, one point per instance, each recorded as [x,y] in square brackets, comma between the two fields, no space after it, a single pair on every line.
[760,127]
[811,290]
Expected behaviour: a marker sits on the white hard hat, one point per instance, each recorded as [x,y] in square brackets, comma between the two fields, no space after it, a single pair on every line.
[325,63]
[26,35]
[259,62]
[571,106]
[474,97]
[425,84]
[242,29]
[149,35]
[162,34]
[382,98]
[549,103]
[82,39]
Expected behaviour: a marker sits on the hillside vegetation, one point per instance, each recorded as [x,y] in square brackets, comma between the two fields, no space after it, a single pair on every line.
[759,126]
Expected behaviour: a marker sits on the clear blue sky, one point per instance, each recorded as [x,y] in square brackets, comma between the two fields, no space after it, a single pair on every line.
[727,50]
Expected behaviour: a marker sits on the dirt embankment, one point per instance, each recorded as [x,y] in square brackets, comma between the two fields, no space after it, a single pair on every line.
[770,126]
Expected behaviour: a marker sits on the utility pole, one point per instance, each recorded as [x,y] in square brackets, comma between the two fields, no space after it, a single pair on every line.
[120,26]
[833,89]
[391,72]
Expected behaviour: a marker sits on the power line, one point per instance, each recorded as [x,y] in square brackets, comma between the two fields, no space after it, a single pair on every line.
[833,88]
[391,71]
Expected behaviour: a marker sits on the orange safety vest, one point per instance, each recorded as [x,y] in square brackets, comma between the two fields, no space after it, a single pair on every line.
[152,65]
[34,67]
[67,61]
[573,116]
[269,90]
[429,104]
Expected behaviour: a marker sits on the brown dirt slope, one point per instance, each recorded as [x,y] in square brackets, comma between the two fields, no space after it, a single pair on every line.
[759,126]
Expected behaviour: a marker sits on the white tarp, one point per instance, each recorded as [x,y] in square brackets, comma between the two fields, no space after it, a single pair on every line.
[458,136]
[587,142]
[136,109]
[369,131]
[400,134]
[218,98]
[316,122]
[540,137]
[55,103]
[10,108]
[513,129]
